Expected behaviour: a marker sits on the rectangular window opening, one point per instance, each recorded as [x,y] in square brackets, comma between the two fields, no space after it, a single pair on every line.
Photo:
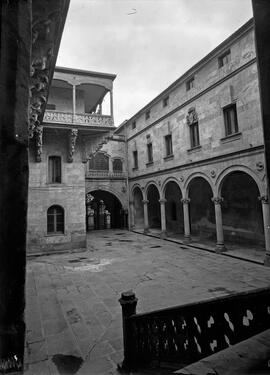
[54,169]
[168,145]
[224,59]
[230,120]
[134,124]
[190,84]
[165,101]
[147,115]
[150,152]
[194,135]
[135,159]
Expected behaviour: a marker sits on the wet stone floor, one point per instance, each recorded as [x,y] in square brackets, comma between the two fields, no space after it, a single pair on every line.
[73,317]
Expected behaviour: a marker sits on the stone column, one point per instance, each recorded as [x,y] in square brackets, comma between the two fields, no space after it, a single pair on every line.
[131,216]
[145,213]
[185,202]
[74,101]
[266,224]
[111,102]
[220,247]
[163,217]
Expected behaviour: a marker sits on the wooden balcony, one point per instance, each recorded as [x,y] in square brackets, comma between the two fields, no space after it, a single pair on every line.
[80,119]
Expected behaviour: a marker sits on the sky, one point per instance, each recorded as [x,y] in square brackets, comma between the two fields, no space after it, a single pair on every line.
[147,43]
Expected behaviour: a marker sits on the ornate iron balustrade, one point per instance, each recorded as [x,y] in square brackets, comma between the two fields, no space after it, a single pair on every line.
[185,334]
[107,174]
[78,119]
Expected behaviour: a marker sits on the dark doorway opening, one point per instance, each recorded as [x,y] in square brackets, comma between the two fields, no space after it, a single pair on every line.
[153,207]
[104,211]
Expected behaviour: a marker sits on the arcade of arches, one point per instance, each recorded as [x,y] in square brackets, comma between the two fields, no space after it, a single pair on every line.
[235,215]
[104,211]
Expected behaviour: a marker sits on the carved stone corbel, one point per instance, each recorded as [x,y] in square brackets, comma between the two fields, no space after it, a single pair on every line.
[39,142]
[192,116]
[73,134]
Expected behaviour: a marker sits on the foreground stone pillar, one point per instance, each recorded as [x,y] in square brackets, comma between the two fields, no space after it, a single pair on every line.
[185,202]
[128,303]
[220,247]
[15,64]
[266,224]
[163,217]
[145,213]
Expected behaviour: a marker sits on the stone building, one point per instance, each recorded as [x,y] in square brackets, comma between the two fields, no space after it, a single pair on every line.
[65,165]
[196,152]
[188,164]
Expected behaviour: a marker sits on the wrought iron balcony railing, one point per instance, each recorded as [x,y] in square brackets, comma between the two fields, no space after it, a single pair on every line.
[105,174]
[78,119]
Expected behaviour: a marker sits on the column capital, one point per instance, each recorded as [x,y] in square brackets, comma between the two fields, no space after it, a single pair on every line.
[217,200]
[162,201]
[145,201]
[264,199]
[185,200]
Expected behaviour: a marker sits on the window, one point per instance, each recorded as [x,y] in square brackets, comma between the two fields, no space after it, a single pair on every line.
[50,106]
[194,134]
[224,59]
[99,162]
[117,165]
[147,115]
[190,84]
[150,152]
[133,124]
[54,169]
[230,120]
[135,159]
[55,220]
[165,101]
[168,145]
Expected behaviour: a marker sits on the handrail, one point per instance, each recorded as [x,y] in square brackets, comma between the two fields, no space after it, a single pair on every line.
[185,334]
[91,119]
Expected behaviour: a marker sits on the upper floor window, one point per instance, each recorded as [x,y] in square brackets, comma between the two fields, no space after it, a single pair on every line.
[165,101]
[194,135]
[190,84]
[50,106]
[54,169]
[230,119]
[224,59]
[99,162]
[55,220]
[147,115]
[135,159]
[168,145]
[150,152]
[117,165]
[133,124]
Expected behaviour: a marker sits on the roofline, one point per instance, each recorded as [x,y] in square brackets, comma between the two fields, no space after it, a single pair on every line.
[82,72]
[216,51]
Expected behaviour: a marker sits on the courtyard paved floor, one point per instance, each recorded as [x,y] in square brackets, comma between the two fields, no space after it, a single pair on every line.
[73,317]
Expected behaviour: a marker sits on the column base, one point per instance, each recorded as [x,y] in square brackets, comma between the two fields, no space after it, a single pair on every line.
[267,260]
[187,239]
[220,248]
[146,230]
[163,234]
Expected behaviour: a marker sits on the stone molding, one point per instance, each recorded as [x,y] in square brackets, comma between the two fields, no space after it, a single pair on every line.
[145,201]
[162,201]
[39,142]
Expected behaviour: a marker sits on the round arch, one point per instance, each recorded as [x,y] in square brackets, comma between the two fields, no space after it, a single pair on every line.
[149,184]
[201,207]
[241,210]
[173,206]
[239,168]
[163,187]
[192,177]
[109,190]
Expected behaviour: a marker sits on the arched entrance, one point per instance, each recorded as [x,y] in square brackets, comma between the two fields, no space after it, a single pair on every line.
[174,208]
[138,208]
[154,218]
[104,211]
[241,209]
[202,211]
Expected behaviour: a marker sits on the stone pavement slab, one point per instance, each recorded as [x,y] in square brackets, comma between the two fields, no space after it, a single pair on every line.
[73,317]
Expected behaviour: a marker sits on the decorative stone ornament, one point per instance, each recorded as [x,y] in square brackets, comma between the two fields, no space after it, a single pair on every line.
[39,142]
[185,200]
[181,178]
[192,116]
[213,174]
[264,199]
[73,134]
[259,166]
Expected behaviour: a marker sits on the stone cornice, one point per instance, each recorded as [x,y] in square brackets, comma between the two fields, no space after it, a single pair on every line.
[47,27]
